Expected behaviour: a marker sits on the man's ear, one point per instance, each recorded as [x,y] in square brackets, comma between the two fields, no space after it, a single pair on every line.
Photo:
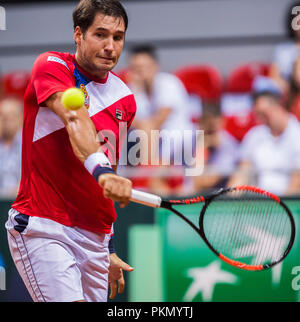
[78,35]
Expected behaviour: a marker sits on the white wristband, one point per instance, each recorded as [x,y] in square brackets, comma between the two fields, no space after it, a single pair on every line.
[95,159]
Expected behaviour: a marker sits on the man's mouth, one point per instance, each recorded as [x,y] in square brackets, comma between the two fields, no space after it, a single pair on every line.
[107,58]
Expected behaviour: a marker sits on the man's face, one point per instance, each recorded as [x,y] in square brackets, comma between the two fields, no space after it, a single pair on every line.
[143,68]
[99,49]
[267,111]
[10,117]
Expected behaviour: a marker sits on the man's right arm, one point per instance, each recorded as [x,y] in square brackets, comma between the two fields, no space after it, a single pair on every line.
[84,141]
[82,133]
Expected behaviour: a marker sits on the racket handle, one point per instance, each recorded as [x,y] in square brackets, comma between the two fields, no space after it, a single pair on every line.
[145,198]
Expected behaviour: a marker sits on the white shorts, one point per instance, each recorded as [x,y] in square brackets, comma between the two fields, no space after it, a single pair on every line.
[58,263]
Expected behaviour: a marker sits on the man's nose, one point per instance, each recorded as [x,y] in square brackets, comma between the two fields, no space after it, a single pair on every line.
[109,44]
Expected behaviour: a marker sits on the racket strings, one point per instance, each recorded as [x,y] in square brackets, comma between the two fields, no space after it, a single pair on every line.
[262,249]
[264,252]
[256,233]
[249,227]
[240,243]
[279,246]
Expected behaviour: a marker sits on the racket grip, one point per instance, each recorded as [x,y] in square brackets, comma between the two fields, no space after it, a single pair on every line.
[145,198]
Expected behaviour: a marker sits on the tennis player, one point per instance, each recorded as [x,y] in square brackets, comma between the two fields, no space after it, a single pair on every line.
[60,225]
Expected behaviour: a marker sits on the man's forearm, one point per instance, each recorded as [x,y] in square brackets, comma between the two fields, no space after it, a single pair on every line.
[86,146]
[81,130]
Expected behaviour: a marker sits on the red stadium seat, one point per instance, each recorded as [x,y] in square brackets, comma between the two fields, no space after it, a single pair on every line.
[15,83]
[240,119]
[239,125]
[237,114]
[241,78]
[202,80]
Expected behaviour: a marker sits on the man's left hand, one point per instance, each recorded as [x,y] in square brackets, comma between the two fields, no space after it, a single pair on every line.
[115,275]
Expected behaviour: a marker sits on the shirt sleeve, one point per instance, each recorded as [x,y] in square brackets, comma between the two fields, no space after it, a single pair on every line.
[295,164]
[130,108]
[170,93]
[131,112]
[247,146]
[50,74]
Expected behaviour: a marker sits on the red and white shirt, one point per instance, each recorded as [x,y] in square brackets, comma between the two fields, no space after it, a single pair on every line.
[54,183]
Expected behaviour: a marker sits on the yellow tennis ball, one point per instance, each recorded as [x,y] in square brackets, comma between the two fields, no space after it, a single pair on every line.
[73,98]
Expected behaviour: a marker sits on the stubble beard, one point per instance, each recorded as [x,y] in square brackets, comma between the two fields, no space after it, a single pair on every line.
[98,70]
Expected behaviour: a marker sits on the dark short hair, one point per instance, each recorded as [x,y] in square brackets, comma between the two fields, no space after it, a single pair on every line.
[211,108]
[147,49]
[281,100]
[274,96]
[86,10]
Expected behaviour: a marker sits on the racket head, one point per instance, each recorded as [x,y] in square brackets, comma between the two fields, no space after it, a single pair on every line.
[247,227]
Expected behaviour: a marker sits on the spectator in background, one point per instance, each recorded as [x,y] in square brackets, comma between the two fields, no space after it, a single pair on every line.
[161,97]
[294,92]
[162,104]
[11,110]
[286,53]
[221,150]
[271,149]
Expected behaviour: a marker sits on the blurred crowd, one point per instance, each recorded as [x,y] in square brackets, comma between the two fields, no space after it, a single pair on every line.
[12,91]
[250,120]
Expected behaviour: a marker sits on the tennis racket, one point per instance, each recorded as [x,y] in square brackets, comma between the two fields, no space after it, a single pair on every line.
[246,227]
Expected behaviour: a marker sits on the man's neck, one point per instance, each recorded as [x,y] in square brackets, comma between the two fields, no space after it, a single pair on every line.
[282,127]
[102,75]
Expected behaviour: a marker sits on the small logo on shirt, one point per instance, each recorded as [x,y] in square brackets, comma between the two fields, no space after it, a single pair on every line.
[57,60]
[86,95]
[119,114]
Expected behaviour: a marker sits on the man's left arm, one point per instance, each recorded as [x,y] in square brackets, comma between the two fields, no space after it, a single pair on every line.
[115,271]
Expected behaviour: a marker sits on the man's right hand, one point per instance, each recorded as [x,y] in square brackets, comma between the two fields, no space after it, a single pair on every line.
[116,188]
